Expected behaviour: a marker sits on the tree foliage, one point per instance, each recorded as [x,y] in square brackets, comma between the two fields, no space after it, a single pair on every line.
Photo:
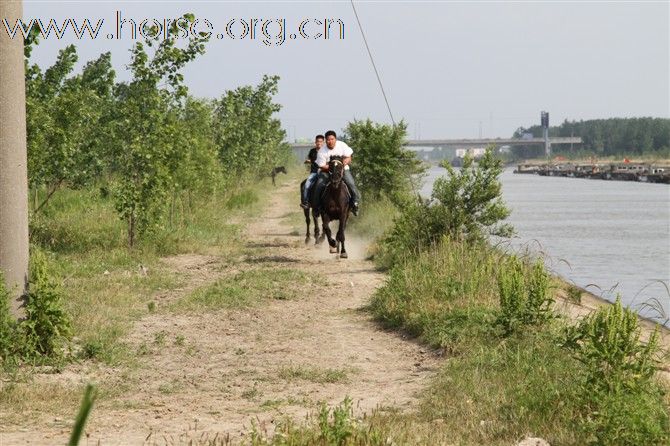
[382,165]
[66,121]
[613,136]
[465,205]
[248,137]
[146,142]
[146,131]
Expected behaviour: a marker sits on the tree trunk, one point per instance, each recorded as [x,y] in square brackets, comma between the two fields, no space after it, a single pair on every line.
[13,161]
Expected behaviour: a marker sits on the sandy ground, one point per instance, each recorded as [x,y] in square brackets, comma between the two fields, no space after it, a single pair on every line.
[280,358]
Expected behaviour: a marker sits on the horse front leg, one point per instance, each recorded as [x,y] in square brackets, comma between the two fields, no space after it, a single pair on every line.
[326,229]
[340,236]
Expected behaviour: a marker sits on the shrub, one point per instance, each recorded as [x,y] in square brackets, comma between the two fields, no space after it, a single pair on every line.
[470,200]
[46,325]
[465,205]
[608,343]
[410,234]
[621,403]
[382,165]
[524,295]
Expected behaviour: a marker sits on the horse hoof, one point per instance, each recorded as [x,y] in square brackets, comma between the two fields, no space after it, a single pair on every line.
[333,250]
[343,255]
[306,240]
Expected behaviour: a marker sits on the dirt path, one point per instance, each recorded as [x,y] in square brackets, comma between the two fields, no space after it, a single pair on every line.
[279,358]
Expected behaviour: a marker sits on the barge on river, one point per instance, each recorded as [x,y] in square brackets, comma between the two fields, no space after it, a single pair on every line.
[625,171]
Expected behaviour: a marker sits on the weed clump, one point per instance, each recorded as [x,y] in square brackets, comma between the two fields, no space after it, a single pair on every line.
[524,295]
[621,402]
[46,327]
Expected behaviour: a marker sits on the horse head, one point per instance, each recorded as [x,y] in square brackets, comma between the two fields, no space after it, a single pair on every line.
[336,169]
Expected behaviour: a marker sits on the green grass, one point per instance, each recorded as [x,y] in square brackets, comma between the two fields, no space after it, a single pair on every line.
[375,217]
[103,283]
[245,289]
[105,288]
[498,385]
[444,296]
[315,374]
[242,199]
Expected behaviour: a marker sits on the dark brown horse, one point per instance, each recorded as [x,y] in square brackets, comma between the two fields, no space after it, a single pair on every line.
[318,237]
[335,206]
[276,171]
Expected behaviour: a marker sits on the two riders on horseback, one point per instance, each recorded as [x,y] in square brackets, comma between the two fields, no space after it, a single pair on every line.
[319,158]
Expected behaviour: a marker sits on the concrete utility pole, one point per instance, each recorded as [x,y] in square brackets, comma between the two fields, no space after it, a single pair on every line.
[13,160]
[544,118]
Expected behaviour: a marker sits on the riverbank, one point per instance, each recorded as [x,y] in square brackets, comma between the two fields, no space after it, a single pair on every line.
[505,379]
[609,237]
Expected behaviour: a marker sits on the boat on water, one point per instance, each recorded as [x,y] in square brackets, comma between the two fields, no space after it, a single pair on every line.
[624,171]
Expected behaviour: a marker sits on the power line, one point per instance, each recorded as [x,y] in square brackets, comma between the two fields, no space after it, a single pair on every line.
[373,63]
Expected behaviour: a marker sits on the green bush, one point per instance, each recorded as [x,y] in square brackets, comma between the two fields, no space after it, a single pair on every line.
[621,402]
[470,200]
[409,235]
[46,325]
[465,205]
[608,343]
[381,164]
[524,294]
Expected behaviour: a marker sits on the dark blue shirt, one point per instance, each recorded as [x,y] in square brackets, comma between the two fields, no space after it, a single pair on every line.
[314,168]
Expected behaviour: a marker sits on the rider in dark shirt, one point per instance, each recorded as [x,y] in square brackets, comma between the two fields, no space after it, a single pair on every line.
[313,171]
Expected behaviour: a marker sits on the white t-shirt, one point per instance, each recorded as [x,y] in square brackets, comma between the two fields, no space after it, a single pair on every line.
[341,149]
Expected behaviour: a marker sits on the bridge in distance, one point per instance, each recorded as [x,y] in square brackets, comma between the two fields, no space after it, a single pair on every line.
[301,149]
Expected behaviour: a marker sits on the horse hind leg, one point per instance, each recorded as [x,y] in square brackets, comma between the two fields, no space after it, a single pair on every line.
[317,233]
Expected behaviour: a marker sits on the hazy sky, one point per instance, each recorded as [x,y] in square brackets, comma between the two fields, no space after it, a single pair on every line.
[450,69]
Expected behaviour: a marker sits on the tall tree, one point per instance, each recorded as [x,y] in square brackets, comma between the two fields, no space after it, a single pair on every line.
[382,164]
[13,161]
[146,128]
[248,136]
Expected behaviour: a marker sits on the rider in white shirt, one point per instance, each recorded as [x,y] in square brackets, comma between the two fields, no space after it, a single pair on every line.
[341,149]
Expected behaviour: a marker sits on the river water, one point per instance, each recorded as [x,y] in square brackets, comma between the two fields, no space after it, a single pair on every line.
[612,234]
